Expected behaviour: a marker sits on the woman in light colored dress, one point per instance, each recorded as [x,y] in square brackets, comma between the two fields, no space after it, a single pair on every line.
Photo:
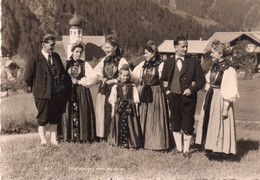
[216,127]
[153,109]
[107,71]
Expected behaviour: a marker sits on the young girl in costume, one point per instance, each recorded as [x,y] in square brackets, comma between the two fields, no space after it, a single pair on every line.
[125,129]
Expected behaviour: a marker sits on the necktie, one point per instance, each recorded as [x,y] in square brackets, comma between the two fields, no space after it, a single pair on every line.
[179,62]
[49,59]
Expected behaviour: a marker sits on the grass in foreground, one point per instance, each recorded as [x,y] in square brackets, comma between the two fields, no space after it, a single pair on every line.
[25,159]
[18,114]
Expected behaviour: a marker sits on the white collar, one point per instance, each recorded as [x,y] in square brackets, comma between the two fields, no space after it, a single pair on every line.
[45,54]
[177,57]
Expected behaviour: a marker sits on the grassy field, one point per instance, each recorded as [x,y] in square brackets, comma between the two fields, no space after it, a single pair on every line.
[18,112]
[247,107]
[23,158]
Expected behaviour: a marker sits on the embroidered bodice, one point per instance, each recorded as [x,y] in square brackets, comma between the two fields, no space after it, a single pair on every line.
[110,68]
[151,73]
[124,91]
[76,68]
[217,71]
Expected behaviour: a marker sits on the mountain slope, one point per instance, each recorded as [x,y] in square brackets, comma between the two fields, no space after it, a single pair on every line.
[232,15]
[134,22]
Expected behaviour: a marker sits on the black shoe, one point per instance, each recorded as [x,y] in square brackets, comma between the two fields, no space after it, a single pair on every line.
[206,151]
[44,144]
[176,151]
[187,155]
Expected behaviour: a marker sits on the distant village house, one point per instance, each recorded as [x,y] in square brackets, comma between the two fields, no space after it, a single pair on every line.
[11,69]
[200,47]
[195,47]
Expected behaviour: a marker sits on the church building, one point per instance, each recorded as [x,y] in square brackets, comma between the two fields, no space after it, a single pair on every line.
[93,44]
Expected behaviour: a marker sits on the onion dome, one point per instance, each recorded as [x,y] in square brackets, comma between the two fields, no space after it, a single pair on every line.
[75,21]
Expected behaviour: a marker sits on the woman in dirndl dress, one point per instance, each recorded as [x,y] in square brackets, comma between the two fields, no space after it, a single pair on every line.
[107,71]
[153,109]
[216,128]
[78,123]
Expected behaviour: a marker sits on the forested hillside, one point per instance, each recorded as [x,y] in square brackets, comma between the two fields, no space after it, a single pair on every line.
[232,15]
[20,29]
[133,21]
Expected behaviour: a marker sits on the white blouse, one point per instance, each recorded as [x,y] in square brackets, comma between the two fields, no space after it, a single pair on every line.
[90,77]
[113,95]
[228,88]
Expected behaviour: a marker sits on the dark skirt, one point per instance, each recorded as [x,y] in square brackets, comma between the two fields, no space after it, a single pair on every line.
[78,123]
[125,128]
[154,120]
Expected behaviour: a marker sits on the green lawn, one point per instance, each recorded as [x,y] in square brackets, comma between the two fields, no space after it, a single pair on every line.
[247,107]
[23,158]
[18,111]
[18,114]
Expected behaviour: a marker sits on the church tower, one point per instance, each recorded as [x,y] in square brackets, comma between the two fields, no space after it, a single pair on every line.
[75,34]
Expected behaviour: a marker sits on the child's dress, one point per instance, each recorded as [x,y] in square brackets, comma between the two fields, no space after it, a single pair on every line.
[125,129]
[213,132]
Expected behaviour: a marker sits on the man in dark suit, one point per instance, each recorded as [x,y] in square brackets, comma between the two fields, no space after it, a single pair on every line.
[182,77]
[46,76]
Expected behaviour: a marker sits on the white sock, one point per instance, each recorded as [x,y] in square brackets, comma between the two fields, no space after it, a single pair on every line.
[42,133]
[178,140]
[186,143]
[53,130]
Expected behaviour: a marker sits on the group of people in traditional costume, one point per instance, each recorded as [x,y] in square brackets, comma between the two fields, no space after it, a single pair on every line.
[139,108]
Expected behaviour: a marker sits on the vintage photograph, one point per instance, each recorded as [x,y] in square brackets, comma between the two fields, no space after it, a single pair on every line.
[130,90]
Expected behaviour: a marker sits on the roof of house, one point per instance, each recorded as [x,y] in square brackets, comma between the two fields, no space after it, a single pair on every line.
[15,60]
[194,46]
[8,63]
[227,37]
[61,46]
[97,40]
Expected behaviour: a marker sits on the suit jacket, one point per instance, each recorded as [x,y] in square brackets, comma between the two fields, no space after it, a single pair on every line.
[38,75]
[191,73]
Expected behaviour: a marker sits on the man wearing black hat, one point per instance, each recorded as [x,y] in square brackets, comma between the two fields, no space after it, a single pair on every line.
[182,77]
[45,74]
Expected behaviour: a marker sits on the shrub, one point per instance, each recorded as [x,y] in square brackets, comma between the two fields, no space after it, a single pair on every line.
[243,60]
[13,84]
